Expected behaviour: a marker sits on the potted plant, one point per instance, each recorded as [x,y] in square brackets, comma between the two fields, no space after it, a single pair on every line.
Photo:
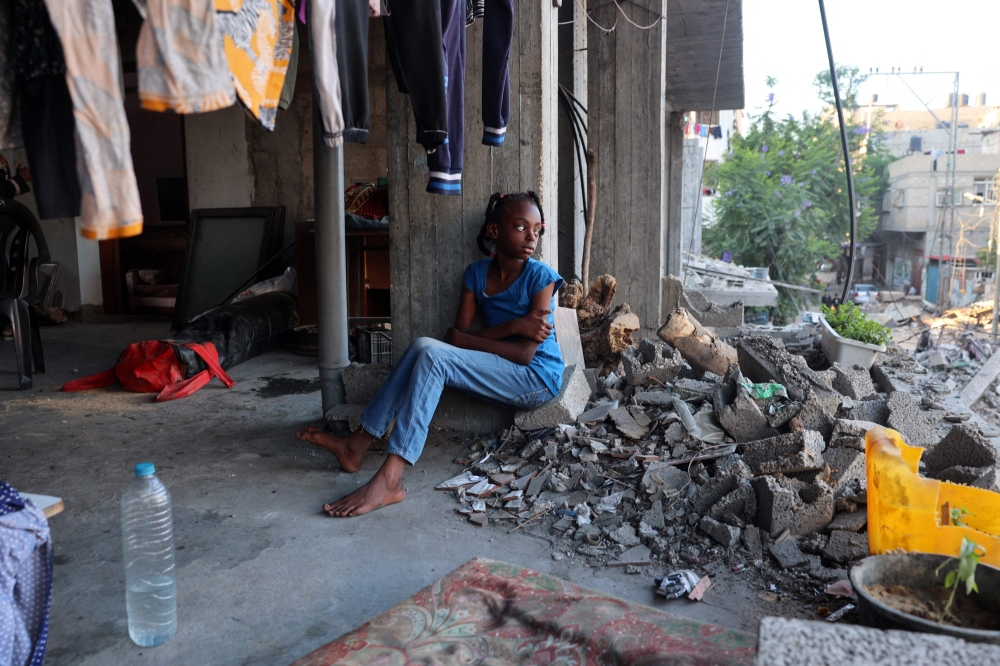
[850,337]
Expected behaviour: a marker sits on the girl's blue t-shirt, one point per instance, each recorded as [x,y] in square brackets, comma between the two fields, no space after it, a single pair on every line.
[515,302]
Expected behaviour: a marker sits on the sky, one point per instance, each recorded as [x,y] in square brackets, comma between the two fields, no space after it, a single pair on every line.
[784,39]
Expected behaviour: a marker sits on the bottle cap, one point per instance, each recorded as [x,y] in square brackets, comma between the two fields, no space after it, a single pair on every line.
[145,469]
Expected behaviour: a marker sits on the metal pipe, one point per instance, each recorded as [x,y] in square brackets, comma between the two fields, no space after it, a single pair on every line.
[847,154]
[331,266]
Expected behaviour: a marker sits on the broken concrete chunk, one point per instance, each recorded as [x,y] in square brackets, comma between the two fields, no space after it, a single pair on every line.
[627,424]
[727,535]
[815,415]
[854,382]
[752,540]
[725,481]
[847,468]
[502,479]
[743,420]
[795,452]
[651,362]
[664,480]
[781,506]
[788,555]
[963,445]
[738,507]
[479,519]
[639,414]
[874,410]
[846,546]
[675,433]
[482,489]
[906,418]
[660,398]
[635,555]
[654,516]
[850,434]
[564,408]
[464,479]
[764,359]
[598,413]
[849,522]
[608,504]
[625,535]
[690,389]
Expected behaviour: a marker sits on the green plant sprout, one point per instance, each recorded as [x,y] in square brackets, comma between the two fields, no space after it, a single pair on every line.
[958,516]
[968,558]
[849,322]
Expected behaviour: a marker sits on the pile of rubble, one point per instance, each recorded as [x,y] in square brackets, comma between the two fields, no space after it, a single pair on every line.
[697,452]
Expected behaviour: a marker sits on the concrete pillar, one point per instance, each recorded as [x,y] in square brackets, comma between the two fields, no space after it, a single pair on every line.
[630,129]
[572,162]
[433,237]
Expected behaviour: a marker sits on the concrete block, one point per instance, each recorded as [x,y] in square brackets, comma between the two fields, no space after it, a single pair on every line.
[906,418]
[594,380]
[847,468]
[788,555]
[849,522]
[753,541]
[781,506]
[724,482]
[738,507]
[661,398]
[854,382]
[689,389]
[958,474]
[564,408]
[350,414]
[743,419]
[815,415]
[786,642]
[874,410]
[794,452]
[362,381]
[990,480]
[727,535]
[850,434]
[627,424]
[844,546]
[765,359]
[651,360]
[895,370]
[654,516]
[963,445]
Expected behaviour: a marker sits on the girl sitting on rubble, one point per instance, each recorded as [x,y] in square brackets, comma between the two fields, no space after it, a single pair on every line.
[514,360]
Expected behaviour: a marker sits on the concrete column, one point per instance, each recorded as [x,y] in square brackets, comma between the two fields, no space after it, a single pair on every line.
[89,264]
[629,129]
[218,162]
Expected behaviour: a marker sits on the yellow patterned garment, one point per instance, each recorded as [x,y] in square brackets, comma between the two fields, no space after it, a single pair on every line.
[181,61]
[258,40]
[109,207]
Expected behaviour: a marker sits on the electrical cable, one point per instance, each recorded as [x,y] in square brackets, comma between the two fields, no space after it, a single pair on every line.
[847,153]
[578,144]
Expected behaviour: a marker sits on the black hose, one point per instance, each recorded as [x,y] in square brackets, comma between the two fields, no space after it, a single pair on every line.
[847,153]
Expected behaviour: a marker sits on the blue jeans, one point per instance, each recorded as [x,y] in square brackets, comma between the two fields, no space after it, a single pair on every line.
[412,392]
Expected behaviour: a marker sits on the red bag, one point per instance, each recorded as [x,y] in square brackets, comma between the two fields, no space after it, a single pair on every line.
[153,367]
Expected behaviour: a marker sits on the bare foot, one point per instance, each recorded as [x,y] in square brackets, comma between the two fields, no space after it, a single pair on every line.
[385,488]
[349,450]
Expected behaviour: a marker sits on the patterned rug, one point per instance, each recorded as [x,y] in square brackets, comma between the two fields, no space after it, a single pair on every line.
[491,613]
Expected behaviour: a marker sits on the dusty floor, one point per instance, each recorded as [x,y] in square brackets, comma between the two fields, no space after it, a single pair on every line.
[264,577]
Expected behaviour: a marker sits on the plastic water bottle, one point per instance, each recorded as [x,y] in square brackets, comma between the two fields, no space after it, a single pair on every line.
[148,554]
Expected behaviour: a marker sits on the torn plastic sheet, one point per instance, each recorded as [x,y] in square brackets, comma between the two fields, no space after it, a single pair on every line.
[702,425]
[765,391]
[677,584]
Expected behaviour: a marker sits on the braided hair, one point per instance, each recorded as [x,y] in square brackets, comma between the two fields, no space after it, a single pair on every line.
[494,212]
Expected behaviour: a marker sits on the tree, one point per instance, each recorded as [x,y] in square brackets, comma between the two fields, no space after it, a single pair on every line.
[849,80]
[784,202]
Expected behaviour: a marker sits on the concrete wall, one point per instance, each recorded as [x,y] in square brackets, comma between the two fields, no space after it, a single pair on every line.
[638,142]
[433,237]
[691,198]
[218,162]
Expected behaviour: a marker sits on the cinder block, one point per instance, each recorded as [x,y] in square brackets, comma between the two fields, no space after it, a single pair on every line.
[964,445]
[727,535]
[781,506]
[725,481]
[874,410]
[854,382]
[906,418]
[794,452]
[738,507]
[847,469]
[649,360]
[844,547]
[564,408]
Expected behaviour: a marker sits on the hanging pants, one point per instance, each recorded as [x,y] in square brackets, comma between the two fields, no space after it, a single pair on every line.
[326,75]
[352,64]
[413,35]
[498,33]
[445,164]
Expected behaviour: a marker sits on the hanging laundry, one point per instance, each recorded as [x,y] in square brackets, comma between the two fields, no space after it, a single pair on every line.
[445,163]
[717,131]
[109,206]
[498,33]
[45,109]
[352,64]
[703,130]
[258,42]
[326,77]
[288,89]
[180,58]
[413,36]
[10,119]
